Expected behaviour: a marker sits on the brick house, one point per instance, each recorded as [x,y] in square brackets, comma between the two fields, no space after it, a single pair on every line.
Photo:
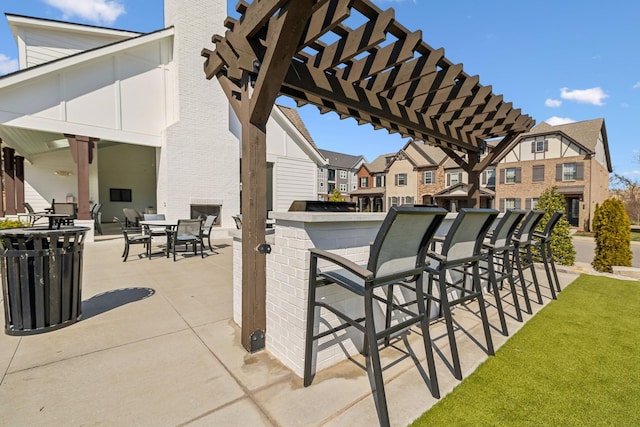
[574,157]
[371,184]
[415,174]
[341,172]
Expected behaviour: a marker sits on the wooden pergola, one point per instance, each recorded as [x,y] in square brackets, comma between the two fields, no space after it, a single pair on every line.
[352,58]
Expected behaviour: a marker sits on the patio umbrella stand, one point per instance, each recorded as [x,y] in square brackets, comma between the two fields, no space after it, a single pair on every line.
[41,278]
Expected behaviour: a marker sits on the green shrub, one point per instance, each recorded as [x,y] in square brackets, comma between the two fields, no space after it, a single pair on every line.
[336,196]
[11,223]
[613,236]
[551,201]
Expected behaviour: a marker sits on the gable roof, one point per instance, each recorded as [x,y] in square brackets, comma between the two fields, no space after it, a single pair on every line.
[296,120]
[379,164]
[584,133]
[340,160]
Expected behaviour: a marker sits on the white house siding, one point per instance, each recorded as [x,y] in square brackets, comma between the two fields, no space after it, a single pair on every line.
[294,179]
[558,147]
[43,46]
[119,97]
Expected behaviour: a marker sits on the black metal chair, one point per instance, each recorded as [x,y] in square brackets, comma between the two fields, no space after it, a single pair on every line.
[238,220]
[96,215]
[32,215]
[542,239]
[396,256]
[522,241]
[455,266]
[497,254]
[133,236]
[68,209]
[188,231]
[206,229]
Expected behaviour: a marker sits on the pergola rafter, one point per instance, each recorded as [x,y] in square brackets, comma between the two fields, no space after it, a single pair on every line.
[377,72]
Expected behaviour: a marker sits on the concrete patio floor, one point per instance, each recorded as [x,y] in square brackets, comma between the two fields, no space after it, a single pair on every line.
[156,346]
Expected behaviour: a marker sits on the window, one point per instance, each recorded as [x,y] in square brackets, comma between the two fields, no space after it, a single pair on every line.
[394,201]
[321,184]
[534,203]
[538,173]
[489,177]
[380,181]
[509,203]
[539,146]
[364,182]
[408,200]
[429,178]
[331,188]
[343,188]
[510,176]
[453,179]
[401,179]
[569,172]
[343,174]
[332,175]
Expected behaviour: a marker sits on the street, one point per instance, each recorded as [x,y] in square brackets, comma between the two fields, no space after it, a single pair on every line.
[585,247]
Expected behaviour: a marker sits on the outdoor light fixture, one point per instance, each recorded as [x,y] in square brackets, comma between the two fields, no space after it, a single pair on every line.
[63,173]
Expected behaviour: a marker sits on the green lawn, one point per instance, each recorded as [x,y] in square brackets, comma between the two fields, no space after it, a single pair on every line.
[635,236]
[576,363]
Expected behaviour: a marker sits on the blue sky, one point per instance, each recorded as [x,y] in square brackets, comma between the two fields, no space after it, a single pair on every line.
[557,61]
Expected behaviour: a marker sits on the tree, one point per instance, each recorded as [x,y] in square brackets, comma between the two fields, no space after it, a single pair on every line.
[613,236]
[551,201]
[628,190]
[336,196]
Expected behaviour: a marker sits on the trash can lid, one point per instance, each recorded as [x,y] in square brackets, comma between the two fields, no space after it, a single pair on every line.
[41,231]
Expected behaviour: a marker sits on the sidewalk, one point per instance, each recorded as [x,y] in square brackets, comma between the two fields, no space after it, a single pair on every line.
[157,346]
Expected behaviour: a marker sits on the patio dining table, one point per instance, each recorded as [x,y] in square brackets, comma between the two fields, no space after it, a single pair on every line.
[169,226]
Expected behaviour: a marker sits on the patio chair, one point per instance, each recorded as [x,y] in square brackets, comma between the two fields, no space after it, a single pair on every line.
[238,221]
[497,254]
[542,239]
[188,231]
[132,217]
[206,229]
[133,237]
[155,230]
[522,241]
[96,216]
[31,215]
[70,209]
[396,256]
[455,266]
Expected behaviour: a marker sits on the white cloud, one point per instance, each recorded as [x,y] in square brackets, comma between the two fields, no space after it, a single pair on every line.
[97,11]
[594,96]
[635,172]
[7,65]
[555,120]
[553,103]
[637,85]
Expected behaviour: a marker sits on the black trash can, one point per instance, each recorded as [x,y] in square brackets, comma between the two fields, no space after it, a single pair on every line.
[41,278]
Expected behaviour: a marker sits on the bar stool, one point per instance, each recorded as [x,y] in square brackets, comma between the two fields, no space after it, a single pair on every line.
[396,256]
[543,241]
[456,267]
[498,250]
[522,241]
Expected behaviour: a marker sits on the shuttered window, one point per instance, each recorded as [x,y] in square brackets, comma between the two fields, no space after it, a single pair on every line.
[538,173]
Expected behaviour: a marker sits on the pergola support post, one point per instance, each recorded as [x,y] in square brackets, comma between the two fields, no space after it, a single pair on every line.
[254,216]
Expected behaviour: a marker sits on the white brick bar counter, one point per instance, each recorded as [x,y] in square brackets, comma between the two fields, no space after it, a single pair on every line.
[346,233]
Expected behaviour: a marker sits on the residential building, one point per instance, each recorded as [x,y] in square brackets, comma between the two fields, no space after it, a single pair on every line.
[371,184]
[454,196]
[141,107]
[573,157]
[340,172]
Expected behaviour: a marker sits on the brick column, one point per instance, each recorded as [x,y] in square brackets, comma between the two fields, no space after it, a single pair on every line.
[82,151]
